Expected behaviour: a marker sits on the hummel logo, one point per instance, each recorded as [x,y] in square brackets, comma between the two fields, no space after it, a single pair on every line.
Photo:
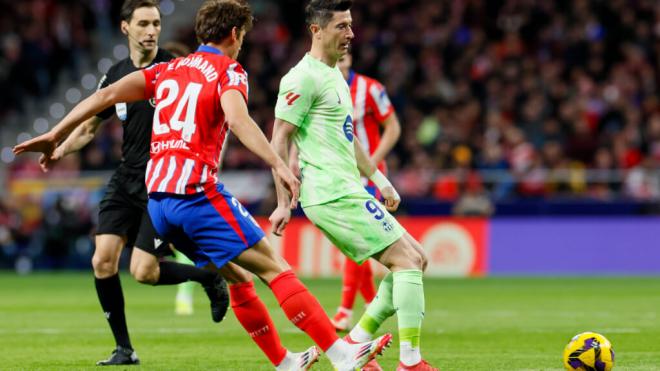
[291,97]
[157,242]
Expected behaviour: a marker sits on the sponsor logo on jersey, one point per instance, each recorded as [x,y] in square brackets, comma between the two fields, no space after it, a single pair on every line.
[236,78]
[291,97]
[348,128]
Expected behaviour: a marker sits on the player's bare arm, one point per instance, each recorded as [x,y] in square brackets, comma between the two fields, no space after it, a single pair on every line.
[368,168]
[78,139]
[364,163]
[247,131]
[281,142]
[391,134]
[129,89]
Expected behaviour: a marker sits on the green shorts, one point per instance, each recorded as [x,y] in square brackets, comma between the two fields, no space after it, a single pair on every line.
[357,224]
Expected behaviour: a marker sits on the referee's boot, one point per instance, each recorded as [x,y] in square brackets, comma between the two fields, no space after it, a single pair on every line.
[219,296]
[120,356]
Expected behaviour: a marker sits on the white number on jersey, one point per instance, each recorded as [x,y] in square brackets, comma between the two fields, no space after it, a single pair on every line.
[187,101]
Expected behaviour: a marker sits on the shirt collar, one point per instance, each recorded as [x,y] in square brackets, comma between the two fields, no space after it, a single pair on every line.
[209,49]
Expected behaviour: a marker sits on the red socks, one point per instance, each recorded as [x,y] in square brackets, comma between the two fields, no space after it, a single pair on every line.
[303,310]
[357,277]
[253,315]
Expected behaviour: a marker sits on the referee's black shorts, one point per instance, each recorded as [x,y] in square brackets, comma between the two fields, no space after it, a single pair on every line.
[123,212]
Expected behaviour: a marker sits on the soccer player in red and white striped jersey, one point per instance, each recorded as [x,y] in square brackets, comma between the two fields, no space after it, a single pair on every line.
[199,98]
[378,129]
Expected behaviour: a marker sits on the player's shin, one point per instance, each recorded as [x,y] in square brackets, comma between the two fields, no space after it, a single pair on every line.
[380,309]
[172,273]
[303,310]
[184,293]
[408,298]
[255,319]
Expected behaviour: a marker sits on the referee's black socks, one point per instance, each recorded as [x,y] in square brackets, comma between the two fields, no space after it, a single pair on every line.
[112,301]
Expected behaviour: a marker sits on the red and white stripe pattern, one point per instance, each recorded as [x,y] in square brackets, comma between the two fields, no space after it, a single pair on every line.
[174,174]
[371,106]
[189,164]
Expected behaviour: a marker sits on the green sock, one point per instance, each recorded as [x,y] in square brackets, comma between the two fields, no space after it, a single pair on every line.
[184,289]
[408,299]
[380,309]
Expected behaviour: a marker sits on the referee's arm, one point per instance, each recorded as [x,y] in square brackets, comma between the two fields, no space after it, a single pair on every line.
[130,88]
[79,138]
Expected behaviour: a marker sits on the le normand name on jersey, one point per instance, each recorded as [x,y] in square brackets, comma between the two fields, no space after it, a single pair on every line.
[197,62]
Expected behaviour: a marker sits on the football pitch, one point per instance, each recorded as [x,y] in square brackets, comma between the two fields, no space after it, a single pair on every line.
[54,322]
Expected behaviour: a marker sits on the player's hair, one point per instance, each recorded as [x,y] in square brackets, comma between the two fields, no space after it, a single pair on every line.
[320,11]
[216,18]
[129,6]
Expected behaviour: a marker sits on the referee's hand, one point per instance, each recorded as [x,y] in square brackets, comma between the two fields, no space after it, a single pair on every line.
[46,162]
[44,143]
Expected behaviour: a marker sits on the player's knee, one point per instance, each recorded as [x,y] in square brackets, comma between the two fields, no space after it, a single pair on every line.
[425,261]
[144,274]
[417,260]
[104,266]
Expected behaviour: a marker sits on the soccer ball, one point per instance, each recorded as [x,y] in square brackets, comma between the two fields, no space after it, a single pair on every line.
[589,351]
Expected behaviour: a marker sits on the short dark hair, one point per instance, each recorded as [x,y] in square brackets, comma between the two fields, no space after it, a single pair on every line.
[216,18]
[129,6]
[320,11]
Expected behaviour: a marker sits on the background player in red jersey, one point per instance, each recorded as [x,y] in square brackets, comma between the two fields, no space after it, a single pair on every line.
[200,98]
[378,129]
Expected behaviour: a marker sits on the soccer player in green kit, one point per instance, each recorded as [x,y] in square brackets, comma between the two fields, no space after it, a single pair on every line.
[314,109]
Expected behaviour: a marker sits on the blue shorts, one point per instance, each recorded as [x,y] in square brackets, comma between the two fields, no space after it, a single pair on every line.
[210,226]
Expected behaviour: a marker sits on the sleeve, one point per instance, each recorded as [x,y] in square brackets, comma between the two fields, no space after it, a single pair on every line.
[297,92]
[236,78]
[379,101]
[108,112]
[151,76]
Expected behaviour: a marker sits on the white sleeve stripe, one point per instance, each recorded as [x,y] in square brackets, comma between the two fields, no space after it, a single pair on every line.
[185,175]
[205,170]
[358,120]
[155,175]
[171,168]
[381,99]
[146,174]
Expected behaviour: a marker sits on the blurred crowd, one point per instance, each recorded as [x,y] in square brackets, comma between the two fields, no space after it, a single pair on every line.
[40,42]
[498,99]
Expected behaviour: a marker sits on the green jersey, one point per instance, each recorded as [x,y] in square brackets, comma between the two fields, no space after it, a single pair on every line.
[316,98]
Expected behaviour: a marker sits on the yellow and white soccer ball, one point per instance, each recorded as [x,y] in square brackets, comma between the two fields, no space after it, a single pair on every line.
[589,351]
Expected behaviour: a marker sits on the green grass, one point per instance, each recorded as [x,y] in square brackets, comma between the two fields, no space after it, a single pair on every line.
[53,322]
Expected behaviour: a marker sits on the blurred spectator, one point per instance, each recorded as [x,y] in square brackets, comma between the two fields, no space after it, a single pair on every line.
[40,39]
[474,201]
[538,93]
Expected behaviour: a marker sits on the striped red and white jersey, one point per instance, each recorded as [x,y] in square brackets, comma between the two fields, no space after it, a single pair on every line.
[371,107]
[189,128]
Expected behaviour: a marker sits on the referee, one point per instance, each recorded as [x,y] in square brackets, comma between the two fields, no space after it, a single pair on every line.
[123,220]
